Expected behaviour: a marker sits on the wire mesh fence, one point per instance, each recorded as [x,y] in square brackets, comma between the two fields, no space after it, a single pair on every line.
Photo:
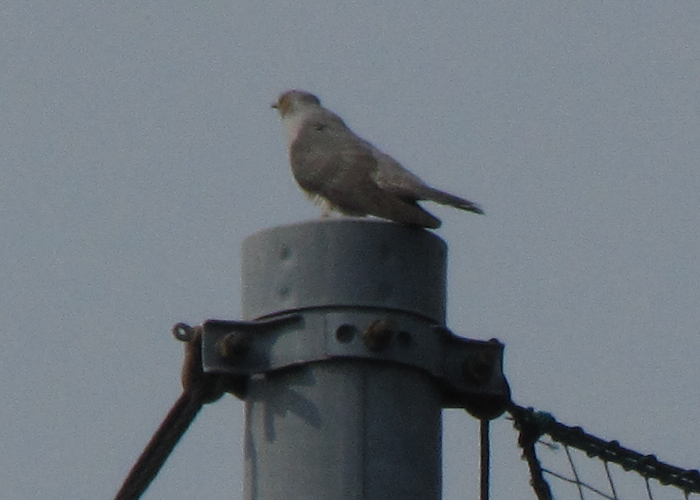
[566,462]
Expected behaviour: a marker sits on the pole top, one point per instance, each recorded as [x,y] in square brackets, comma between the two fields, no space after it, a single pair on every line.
[344,262]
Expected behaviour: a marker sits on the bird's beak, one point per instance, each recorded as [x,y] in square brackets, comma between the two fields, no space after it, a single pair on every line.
[275,105]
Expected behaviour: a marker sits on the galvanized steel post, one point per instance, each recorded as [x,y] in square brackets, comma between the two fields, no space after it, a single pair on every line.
[345,427]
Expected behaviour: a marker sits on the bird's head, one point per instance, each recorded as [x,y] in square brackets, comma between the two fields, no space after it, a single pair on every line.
[293,101]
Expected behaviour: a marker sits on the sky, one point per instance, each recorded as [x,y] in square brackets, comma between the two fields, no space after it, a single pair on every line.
[138,150]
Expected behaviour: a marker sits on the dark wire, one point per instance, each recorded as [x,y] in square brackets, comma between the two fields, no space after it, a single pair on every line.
[485,458]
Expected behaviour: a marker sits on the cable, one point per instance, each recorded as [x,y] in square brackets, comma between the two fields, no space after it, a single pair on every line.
[199,388]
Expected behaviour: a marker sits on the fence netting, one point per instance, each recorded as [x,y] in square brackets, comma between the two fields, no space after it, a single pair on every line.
[575,464]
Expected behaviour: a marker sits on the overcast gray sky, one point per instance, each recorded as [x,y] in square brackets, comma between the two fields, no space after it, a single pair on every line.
[138,150]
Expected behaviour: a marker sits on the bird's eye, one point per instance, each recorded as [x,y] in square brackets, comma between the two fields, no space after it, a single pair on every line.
[319,126]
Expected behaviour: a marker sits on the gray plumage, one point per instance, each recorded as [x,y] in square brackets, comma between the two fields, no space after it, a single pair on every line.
[348,174]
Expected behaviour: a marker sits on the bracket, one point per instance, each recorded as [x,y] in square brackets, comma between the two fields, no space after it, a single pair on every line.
[468,372]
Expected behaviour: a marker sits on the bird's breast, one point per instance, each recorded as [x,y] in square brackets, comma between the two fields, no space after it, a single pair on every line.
[293,126]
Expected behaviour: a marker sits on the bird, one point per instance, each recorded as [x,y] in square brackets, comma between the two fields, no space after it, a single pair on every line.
[345,173]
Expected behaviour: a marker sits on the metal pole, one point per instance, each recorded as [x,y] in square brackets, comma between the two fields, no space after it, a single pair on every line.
[342,427]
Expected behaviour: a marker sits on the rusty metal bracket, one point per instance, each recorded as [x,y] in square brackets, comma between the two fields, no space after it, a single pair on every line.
[469,372]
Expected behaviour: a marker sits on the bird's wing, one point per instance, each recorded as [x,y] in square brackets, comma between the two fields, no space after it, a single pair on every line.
[392,177]
[335,166]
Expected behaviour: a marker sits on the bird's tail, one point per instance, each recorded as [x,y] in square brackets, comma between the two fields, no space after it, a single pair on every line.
[449,199]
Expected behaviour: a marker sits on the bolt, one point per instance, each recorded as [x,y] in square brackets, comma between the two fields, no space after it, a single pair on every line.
[478,367]
[234,346]
[379,333]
